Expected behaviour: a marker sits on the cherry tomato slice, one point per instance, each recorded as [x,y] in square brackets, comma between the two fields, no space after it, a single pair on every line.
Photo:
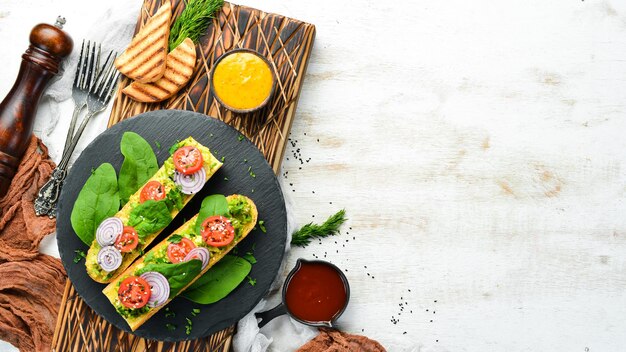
[188,160]
[127,240]
[217,231]
[176,252]
[134,292]
[152,190]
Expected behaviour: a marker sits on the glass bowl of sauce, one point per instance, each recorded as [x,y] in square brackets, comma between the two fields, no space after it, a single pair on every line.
[315,293]
[242,80]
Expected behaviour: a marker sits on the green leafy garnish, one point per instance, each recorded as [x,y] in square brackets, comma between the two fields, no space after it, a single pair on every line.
[79,255]
[175,238]
[178,275]
[240,138]
[97,200]
[249,257]
[174,199]
[174,147]
[188,326]
[193,21]
[149,217]
[309,231]
[262,226]
[215,204]
[158,145]
[139,164]
[220,280]
[195,312]
[251,281]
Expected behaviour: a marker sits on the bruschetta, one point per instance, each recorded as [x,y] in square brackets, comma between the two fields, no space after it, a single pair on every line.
[179,260]
[122,238]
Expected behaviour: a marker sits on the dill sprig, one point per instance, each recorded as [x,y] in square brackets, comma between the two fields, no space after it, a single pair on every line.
[193,21]
[309,231]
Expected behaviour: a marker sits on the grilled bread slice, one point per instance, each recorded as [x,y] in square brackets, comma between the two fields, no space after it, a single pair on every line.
[180,65]
[139,316]
[145,58]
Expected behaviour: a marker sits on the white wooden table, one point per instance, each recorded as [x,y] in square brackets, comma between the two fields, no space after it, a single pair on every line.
[478,147]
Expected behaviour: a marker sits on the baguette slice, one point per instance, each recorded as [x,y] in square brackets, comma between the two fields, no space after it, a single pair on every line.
[211,165]
[179,68]
[144,59]
[216,254]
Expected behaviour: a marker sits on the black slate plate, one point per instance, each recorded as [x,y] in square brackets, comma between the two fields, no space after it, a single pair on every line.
[166,127]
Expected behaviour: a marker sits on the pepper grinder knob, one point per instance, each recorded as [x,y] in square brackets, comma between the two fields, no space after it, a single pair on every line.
[49,45]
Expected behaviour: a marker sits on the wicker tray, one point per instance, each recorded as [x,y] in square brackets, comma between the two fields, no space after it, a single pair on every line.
[287,43]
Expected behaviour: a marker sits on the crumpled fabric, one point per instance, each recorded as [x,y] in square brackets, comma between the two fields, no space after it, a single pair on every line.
[21,230]
[337,341]
[30,296]
[32,283]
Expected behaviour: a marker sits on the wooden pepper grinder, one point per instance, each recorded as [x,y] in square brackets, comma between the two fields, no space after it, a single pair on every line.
[48,46]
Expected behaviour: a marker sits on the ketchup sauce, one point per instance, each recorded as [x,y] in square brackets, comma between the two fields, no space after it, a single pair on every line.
[315,293]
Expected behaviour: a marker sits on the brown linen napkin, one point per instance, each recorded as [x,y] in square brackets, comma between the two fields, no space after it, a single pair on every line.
[32,284]
[338,341]
[21,230]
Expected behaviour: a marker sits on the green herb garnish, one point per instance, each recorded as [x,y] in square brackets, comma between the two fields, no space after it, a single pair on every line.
[170,327]
[250,258]
[262,226]
[195,312]
[240,138]
[309,231]
[188,326]
[169,313]
[79,255]
[193,21]
[175,238]
[251,281]
[158,145]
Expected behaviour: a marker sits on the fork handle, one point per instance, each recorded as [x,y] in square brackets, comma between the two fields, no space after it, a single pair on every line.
[70,132]
[68,154]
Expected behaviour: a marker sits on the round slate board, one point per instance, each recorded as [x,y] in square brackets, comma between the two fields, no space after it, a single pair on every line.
[164,128]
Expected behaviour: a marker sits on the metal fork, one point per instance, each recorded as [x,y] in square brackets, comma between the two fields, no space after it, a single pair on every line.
[97,98]
[88,63]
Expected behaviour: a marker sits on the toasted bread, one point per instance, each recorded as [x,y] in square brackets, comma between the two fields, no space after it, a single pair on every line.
[136,321]
[211,165]
[145,58]
[178,71]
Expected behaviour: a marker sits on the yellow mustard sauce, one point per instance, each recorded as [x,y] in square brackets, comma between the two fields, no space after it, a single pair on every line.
[242,80]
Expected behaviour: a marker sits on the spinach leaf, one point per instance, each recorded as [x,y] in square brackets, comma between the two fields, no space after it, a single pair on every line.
[149,217]
[219,281]
[98,200]
[139,164]
[174,199]
[178,275]
[215,204]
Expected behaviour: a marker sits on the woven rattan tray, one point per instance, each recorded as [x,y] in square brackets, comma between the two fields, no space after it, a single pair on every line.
[287,43]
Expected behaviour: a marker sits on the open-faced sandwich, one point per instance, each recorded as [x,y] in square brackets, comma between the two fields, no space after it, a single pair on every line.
[120,239]
[175,263]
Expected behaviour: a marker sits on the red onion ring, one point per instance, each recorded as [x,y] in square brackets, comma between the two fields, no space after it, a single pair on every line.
[191,184]
[200,253]
[159,286]
[108,230]
[109,258]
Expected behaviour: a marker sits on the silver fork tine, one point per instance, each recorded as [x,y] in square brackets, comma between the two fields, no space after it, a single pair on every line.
[92,66]
[112,87]
[106,81]
[97,100]
[80,60]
